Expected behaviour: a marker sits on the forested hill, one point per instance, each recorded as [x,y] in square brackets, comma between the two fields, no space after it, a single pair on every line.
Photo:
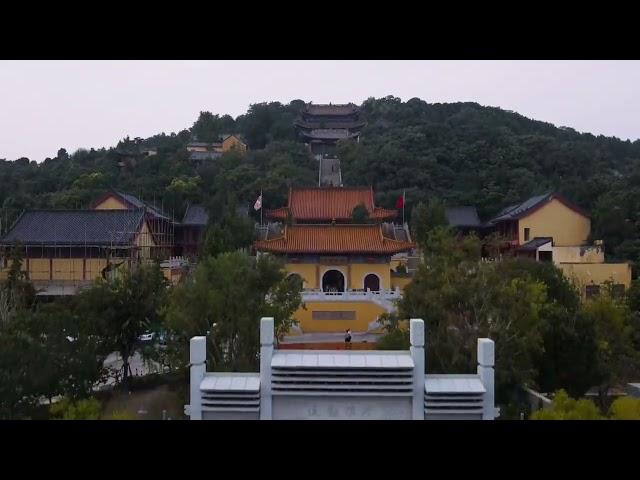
[462,152]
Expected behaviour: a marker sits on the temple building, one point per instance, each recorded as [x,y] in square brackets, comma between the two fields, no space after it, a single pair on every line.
[322,126]
[346,268]
[200,151]
[191,232]
[551,228]
[161,225]
[67,250]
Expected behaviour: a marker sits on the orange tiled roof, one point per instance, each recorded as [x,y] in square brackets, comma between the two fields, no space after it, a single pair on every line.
[334,239]
[324,204]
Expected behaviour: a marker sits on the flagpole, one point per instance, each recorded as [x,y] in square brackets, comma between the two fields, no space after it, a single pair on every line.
[261,205]
[404,200]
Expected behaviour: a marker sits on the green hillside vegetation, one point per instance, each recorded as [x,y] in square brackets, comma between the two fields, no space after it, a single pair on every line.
[463,153]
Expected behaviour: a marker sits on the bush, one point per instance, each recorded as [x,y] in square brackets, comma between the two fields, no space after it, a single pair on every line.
[394,340]
[121,415]
[625,408]
[87,409]
[566,408]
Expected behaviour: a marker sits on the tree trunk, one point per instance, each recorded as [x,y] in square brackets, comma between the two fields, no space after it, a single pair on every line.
[125,369]
[602,396]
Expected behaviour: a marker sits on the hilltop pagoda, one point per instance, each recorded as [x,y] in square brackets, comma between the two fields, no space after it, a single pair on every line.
[322,126]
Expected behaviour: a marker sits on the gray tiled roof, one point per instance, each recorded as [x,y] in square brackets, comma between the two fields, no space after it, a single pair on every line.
[76,227]
[514,212]
[462,217]
[195,215]
[535,244]
[336,109]
[137,203]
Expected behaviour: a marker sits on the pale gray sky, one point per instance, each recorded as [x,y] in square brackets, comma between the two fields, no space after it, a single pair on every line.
[45,105]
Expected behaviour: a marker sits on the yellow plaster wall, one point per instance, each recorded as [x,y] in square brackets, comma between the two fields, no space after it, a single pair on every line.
[233,142]
[590,254]
[566,226]
[401,282]
[38,268]
[307,271]
[312,273]
[67,268]
[366,312]
[583,274]
[145,240]
[111,203]
[360,270]
[94,267]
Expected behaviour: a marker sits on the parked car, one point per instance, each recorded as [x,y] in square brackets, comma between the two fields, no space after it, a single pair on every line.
[147,337]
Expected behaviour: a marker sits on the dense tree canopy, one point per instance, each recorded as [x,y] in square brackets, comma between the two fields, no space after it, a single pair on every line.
[224,300]
[463,153]
[545,336]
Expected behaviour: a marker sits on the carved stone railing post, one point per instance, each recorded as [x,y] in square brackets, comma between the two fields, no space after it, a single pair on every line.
[416,336]
[486,361]
[266,353]
[197,359]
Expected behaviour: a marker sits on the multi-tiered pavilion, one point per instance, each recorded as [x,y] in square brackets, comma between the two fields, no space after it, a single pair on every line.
[322,126]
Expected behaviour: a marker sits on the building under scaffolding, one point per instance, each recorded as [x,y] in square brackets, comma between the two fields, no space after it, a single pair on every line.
[66,250]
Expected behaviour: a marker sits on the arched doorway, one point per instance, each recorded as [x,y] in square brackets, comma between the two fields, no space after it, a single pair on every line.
[372,282]
[333,281]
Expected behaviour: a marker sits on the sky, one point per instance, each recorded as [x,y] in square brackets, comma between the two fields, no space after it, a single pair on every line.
[51,104]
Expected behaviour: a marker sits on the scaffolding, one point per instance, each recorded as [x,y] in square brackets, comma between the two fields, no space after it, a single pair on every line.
[59,269]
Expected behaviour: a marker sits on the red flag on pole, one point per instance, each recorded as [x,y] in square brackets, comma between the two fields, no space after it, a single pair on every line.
[400,202]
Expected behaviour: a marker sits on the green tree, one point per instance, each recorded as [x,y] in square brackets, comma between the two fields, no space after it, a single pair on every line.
[625,408]
[230,233]
[19,355]
[360,214]
[124,308]
[461,298]
[568,357]
[17,292]
[566,408]
[427,217]
[617,359]
[225,298]
[86,409]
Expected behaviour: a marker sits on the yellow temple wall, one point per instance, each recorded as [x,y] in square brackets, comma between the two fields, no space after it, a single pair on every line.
[401,282]
[365,313]
[361,270]
[308,272]
[111,203]
[354,273]
[555,219]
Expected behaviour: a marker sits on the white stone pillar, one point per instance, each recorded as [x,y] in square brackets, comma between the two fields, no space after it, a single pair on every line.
[266,353]
[486,361]
[197,359]
[416,336]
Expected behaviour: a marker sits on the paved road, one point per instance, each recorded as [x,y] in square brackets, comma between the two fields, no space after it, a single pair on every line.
[138,366]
